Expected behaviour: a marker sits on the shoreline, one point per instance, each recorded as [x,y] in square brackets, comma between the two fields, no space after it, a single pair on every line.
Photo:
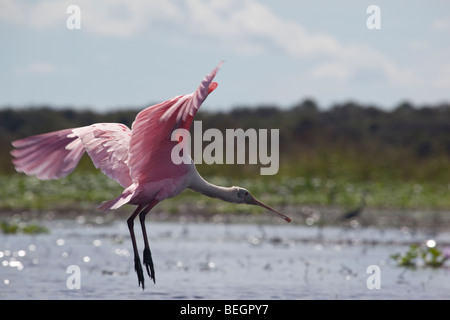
[307,215]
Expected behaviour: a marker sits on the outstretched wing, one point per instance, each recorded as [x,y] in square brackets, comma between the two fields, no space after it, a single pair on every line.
[107,144]
[55,154]
[50,155]
[151,144]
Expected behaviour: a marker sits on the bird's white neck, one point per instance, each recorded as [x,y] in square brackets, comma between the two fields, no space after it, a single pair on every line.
[210,190]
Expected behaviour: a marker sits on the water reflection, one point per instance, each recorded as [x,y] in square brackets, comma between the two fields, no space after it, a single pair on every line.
[431,243]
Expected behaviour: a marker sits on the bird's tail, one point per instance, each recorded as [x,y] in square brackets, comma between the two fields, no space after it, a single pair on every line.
[124,198]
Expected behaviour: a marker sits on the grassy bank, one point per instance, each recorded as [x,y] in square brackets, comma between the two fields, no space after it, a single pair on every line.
[84,190]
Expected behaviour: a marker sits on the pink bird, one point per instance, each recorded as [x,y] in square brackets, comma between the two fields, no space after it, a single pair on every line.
[138,159]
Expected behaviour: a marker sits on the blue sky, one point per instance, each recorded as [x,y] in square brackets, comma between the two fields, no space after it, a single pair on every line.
[135,53]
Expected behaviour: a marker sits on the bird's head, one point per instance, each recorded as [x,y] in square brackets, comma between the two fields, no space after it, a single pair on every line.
[244,196]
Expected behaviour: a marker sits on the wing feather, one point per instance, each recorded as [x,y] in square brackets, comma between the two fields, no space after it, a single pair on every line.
[151,145]
[55,154]
[107,144]
[50,155]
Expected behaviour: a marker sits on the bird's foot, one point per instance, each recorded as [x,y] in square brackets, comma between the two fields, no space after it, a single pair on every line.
[139,271]
[148,262]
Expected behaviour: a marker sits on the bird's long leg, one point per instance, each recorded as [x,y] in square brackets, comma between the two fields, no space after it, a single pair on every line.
[148,261]
[137,261]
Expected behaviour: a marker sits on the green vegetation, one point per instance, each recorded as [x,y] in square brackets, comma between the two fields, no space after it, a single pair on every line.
[22,227]
[86,190]
[421,256]
[327,157]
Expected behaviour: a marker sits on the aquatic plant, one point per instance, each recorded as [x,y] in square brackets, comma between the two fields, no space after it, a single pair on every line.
[14,228]
[422,255]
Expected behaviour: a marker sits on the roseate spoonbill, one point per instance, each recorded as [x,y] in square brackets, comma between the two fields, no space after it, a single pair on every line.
[138,159]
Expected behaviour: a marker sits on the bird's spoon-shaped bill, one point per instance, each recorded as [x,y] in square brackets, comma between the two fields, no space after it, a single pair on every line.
[281,215]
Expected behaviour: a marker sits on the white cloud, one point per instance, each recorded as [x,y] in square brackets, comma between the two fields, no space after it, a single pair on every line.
[12,11]
[247,26]
[442,25]
[104,17]
[42,67]
[37,68]
[418,45]
[42,14]
[127,18]
[334,71]
[251,25]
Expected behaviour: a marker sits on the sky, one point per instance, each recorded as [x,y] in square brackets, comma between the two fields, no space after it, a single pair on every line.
[130,54]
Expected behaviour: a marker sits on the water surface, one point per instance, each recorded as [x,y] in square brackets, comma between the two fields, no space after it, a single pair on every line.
[216,261]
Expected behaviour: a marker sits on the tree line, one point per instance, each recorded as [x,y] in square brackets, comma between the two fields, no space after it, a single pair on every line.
[404,133]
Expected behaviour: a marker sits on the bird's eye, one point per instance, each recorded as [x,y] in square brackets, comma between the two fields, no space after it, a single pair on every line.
[242,193]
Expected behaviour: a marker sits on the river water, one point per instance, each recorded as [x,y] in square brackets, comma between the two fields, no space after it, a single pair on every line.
[83,260]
